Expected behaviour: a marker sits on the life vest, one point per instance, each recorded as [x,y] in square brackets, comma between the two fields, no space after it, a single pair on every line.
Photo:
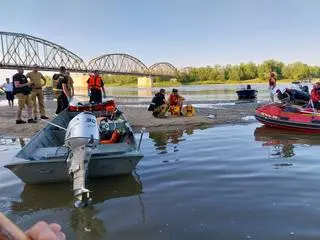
[188,111]
[315,96]
[175,110]
[173,99]
[115,138]
[95,82]
[56,91]
[272,81]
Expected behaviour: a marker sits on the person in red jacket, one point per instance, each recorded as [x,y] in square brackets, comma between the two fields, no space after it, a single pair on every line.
[315,95]
[175,100]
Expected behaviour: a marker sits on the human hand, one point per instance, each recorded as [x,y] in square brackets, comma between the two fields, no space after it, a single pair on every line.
[42,230]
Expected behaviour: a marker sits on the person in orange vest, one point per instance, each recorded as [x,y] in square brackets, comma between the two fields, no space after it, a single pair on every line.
[95,85]
[176,101]
[315,95]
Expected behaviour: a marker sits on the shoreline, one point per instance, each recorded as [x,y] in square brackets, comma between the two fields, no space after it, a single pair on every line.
[138,117]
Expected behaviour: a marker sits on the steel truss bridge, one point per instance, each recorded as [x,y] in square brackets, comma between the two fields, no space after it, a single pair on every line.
[23,50]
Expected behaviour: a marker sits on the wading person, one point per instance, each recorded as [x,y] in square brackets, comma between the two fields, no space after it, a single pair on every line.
[63,92]
[22,90]
[95,85]
[176,102]
[37,93]
[7,87]
[159,106]
[272,85]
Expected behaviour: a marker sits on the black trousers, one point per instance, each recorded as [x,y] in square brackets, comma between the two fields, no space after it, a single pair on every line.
[62,103]
[96,96]
[9,96]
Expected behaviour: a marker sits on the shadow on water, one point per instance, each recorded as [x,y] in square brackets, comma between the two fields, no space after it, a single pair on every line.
[37,197]
[83,222]
[282,142]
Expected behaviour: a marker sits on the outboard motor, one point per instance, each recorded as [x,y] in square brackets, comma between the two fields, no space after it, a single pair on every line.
[82,137]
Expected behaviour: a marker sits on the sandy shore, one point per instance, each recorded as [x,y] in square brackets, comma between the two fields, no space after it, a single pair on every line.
[139,117]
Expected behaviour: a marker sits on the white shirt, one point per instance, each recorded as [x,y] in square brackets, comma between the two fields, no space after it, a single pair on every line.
[8,87]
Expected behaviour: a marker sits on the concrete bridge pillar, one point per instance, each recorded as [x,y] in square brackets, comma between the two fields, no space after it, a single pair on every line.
[145,82]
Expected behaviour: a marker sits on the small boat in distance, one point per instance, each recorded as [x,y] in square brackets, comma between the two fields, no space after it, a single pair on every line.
[247,93]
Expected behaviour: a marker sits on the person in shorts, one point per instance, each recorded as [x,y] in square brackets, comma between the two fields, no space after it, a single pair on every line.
[7,87]
[22,90]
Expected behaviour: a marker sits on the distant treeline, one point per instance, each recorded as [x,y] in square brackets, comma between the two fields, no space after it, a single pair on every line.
[224,74]
[249,71]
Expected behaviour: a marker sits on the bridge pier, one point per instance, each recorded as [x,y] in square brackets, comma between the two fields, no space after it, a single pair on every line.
[145,82]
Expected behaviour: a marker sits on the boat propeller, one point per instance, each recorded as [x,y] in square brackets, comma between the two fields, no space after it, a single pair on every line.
[82,137]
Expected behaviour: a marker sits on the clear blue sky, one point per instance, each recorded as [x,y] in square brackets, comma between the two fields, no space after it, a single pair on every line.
[183,32]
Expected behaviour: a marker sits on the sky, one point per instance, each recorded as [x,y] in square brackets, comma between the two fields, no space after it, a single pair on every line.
[182,32]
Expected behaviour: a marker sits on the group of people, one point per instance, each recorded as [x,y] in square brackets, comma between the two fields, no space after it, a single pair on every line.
[160,106]
[27,92]
[314,95]
[28,89]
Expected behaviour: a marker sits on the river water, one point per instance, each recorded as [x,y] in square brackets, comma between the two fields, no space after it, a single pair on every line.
[227,182]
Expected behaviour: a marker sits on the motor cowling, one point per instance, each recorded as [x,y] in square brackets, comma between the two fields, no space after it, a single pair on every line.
[82,129]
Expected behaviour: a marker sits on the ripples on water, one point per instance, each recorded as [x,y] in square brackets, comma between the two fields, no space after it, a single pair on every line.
[227,182]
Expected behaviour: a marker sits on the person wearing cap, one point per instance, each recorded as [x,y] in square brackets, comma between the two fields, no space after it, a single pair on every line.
[64,94]
[176,100]
[22,90]
[7,87]
[35,79]
[95,85]
[159,106]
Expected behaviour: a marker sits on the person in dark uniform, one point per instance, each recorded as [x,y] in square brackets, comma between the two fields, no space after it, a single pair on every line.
[95,84]
[64,95]
[159,106]
[22,89]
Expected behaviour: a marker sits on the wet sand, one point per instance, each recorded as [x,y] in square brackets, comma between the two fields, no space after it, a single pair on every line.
[138,117]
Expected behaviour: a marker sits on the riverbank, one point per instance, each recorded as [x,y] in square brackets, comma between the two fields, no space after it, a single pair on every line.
[139,117]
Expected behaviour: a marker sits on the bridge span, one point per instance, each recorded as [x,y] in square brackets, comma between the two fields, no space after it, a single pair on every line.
[18,49]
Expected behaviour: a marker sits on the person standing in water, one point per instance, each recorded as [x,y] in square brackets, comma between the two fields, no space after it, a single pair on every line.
[272,85]
[7,87]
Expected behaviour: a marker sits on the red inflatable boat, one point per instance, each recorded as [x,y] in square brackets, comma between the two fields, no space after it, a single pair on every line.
[289,117]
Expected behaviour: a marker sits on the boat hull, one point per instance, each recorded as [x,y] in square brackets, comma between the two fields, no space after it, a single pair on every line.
[44,171]
[247,94]
[275,115]
[43,159]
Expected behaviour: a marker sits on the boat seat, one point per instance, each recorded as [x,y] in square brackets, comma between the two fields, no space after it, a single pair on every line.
[49,153]
[109,149]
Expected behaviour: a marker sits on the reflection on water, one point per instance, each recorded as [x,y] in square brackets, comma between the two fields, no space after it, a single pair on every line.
[171,137]
[283,142]
[230,184]
[36,197]
[13,141]
[84,222]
